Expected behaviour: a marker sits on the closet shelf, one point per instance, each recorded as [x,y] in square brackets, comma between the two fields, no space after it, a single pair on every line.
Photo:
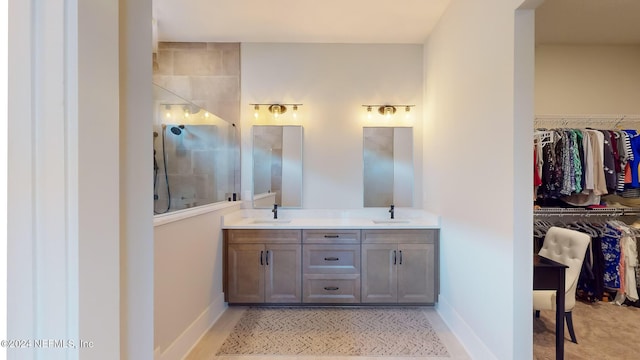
[587,212]
[610,121]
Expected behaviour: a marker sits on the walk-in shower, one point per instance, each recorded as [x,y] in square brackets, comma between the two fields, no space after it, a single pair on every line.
[196,155]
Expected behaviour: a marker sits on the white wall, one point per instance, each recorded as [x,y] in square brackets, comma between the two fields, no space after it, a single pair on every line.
[136,174]
[333,81]
[472,175]
[587,79]
[188,295]
[79,259]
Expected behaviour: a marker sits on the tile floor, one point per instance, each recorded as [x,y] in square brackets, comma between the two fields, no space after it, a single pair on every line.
[213,339]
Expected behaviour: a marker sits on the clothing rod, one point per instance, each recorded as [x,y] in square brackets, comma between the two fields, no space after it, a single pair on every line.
[586,212]
[588,117]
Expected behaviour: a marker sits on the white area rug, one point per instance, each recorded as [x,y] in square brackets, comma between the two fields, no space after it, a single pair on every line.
[334,331]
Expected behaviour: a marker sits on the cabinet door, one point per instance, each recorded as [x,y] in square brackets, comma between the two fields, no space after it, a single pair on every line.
[416,273]
[283,268]
[379,282]
[245,273]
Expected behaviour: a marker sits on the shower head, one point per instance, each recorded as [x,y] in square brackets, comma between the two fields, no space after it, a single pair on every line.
[177,130]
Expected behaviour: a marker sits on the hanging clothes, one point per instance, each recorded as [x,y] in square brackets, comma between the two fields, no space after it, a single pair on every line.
[580,166]
[611,261]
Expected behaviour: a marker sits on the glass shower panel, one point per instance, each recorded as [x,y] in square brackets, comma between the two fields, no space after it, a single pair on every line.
[195,155]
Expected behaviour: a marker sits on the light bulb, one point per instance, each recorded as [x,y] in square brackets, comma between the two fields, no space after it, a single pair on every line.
[256,110]
[276,110]
[295,111]
[407,111]
[168,114]
[387,111]
[369,112]
[206,114]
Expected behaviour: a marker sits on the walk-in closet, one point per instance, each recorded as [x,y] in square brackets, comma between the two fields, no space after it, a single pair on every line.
[586,157]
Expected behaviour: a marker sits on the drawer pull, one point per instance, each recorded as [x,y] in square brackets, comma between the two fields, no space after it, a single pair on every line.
[266,258]
[331,288]
[331,259]
[261,253]
[400,251]
[332,236]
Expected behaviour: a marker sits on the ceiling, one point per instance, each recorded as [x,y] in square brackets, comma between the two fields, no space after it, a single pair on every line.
[312,21]
[366,21]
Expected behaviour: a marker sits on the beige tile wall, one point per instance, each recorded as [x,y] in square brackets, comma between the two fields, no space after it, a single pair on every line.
[207,74]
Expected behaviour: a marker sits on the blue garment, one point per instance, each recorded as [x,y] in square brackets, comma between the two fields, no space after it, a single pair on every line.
[635,147]
[611,252]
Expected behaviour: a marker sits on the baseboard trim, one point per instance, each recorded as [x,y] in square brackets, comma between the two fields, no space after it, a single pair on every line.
[474,346]
[183,344]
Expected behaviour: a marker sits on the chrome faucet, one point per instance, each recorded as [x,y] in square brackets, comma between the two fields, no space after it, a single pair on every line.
[391,211]
[275,211]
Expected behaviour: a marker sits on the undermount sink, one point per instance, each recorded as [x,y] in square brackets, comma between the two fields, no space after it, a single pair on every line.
[391,221]
[271,221]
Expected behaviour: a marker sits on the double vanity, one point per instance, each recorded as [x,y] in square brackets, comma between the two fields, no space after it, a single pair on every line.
[324,257]
[303,256]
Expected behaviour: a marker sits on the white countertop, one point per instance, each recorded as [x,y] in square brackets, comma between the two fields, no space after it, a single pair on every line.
[369,218]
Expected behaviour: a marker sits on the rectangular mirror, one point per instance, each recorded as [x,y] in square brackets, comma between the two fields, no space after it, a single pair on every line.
[277,166]
[388,166]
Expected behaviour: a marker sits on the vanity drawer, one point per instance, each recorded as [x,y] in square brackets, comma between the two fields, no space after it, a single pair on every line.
[330,259]
[262,236]
[331,289]
[331,236]
[403,236]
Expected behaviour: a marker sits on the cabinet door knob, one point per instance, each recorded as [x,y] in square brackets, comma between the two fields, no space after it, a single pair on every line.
[331,259]
[331,288]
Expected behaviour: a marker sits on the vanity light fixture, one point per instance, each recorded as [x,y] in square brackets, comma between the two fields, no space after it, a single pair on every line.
[387,109]
[275,109]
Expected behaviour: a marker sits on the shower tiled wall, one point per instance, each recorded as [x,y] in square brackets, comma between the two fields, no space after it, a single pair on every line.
[208,75]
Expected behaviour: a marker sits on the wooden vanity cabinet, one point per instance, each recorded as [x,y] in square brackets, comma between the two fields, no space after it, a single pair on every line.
[262,266]
[399,266]
[319,266]
[331,266]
